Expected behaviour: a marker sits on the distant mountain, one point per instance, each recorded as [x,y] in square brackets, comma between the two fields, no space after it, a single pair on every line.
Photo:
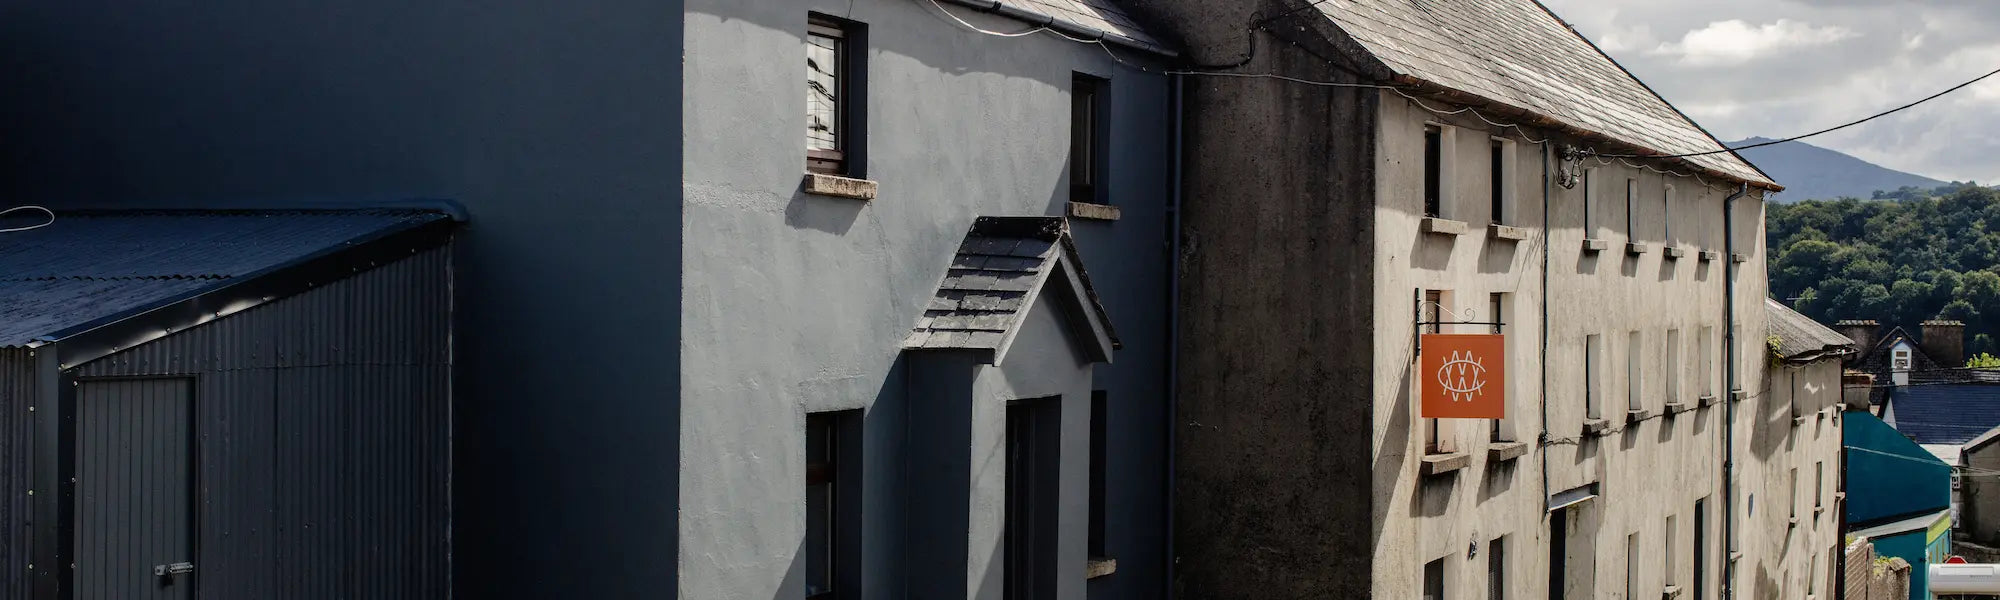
[1810,172]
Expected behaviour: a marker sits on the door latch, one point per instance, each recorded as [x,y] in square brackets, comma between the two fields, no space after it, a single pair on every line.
[179,568]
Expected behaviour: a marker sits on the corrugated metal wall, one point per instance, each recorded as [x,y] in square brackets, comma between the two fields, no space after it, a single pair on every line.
[17,393]
[323,427]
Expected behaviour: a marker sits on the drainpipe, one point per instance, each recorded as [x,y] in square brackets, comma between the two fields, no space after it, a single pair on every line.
[1173,324]
[1544,399]
[1729,404]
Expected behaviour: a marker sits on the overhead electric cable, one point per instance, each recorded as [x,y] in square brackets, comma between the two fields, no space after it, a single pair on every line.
[1827,130]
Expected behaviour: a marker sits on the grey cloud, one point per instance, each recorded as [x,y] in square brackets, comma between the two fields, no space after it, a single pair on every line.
[1790,90]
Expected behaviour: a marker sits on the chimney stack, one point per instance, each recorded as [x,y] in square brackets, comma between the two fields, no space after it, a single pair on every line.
[1862,331]
[1944,342]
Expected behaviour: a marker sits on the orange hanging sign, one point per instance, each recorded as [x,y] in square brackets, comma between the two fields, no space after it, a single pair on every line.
[1463,376]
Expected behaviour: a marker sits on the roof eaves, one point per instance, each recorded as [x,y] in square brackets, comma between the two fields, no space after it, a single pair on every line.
[1068,29]
[1769,182]
[101,337]
[1458,96]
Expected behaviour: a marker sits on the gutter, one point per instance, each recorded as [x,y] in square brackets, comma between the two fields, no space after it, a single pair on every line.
[1729,405]
[1173,325]
[1072,30]
[1543,439]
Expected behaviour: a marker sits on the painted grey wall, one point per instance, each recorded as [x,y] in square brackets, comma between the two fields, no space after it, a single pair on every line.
[798,303]
[557,124]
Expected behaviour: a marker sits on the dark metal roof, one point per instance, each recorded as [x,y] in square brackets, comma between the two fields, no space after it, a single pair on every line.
[1003,265]
[1801,339]
[1946,413]
[92,266]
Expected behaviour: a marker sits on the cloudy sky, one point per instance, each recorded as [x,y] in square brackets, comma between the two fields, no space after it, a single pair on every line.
[1776,68]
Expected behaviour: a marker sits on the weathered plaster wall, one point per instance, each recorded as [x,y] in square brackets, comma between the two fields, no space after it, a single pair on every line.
[798,303]
[1980,515]
[1789,543]
[558,125]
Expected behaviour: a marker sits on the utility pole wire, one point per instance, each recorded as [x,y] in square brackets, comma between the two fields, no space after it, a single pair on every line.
[1827,130]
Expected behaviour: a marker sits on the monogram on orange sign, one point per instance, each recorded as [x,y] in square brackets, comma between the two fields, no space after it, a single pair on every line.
[1463,376]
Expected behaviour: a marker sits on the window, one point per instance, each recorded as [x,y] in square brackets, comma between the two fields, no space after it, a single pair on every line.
[1436,441]
[1700,547]
[1590,212]
[1098,425]
[1502,154]
[1029,537]
[1819,484]
[1794,504]
[833,94]
[1631,210]
[1434,171]
[832,509]
[1667,215]
[1812,575]
[1706,342]
[1674,365]
[1502,429]
[1634,396]
[1667,551]
[1902,359]
[1434,580]
[1593,379]
[1087,129]
[1632,565]
[1496,569]
[1558,553]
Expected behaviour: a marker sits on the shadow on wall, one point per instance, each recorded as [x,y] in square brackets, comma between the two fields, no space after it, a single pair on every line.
[1773,426]
[1394,450]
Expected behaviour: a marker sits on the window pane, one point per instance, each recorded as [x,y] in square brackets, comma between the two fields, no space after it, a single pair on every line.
[1083,137]
[822,91]
[1499,183]
[819,504]
[1433,170]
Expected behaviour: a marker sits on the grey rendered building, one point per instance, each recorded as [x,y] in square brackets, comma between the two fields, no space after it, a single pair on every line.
[670,345]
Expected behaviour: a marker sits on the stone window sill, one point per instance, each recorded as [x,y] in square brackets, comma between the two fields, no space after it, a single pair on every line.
[1094,212]
[1595,427]
[1506,232]
[1638,414]
[1739,257]
[1505,451]
[1670,592]
[1099,567]
[841,187]
[1636,248]
[1439,464]
[1593,245]
[1674,253]
[1443,226]
[1706,399]
[1675,408]
[1711,255]
[1737,395]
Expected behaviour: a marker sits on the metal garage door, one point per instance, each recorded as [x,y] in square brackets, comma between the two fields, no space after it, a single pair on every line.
[134,489]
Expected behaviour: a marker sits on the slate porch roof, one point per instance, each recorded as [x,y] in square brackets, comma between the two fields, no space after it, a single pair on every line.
[1518,54]
[1801,339]
[1001,267]
[91,266]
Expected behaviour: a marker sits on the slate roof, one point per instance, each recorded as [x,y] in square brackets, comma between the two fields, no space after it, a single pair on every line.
[1000,268]
[1801,339]
[1517,53]
[89,266]
[1946,413]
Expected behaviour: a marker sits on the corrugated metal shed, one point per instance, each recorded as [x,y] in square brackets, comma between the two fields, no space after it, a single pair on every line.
[317,348]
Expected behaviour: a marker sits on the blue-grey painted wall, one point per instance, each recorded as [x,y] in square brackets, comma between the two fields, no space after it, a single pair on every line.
[798,303]
[557,124]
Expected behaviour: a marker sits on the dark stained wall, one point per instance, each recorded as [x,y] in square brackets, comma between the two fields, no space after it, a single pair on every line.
[1274,423]
[323,426]
[558,124]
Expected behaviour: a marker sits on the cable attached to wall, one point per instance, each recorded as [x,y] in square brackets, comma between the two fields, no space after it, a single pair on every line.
[51,218]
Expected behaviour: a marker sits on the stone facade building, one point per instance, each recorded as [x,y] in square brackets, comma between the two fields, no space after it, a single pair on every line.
[1477,169]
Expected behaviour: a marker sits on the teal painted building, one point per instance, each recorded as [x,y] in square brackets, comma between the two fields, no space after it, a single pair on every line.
[1898,496]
